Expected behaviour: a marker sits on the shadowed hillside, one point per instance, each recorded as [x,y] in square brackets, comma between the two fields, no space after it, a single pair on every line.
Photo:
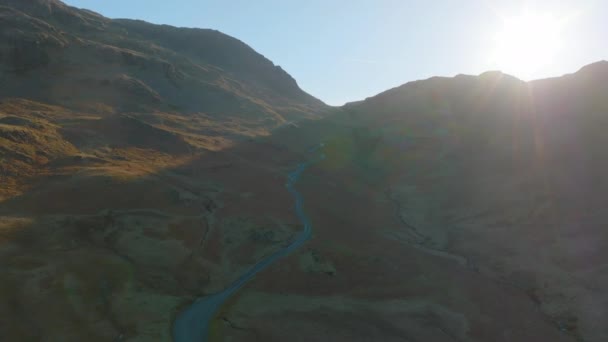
[504,176]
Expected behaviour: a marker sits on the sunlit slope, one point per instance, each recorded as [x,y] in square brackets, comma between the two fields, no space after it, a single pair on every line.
[125,190]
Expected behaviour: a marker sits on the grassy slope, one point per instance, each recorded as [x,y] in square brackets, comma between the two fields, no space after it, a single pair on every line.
[113,187]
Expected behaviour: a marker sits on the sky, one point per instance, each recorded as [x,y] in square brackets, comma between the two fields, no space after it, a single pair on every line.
[347,50]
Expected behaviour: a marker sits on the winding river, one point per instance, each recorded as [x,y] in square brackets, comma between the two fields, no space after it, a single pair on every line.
[192,324]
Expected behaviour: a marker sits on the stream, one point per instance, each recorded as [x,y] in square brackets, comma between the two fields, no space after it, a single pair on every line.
[192,324]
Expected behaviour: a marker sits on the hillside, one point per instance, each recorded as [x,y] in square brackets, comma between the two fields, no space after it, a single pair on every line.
[505,179]
[118,154]
[61,55]
[145,166]
[99,80]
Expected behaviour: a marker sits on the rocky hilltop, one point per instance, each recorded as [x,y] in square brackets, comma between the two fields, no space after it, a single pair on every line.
[58,54]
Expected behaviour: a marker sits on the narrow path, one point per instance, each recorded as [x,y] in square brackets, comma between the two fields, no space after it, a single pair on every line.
[192,324]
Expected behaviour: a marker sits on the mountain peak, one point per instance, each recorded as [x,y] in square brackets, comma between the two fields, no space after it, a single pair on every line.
[497,75]
[599,66]
[491,73]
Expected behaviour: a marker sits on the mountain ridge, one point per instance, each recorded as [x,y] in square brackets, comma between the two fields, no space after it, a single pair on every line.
[72,46]
[600,66]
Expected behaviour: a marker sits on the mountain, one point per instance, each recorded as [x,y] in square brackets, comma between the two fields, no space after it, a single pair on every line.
[200,89]
[144,167]
[78,59]
[504,177]
[118,153]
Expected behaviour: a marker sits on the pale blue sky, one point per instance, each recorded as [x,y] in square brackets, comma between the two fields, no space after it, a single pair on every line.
[347,50]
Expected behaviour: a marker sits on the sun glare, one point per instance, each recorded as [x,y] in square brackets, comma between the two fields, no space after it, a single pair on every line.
[527,43]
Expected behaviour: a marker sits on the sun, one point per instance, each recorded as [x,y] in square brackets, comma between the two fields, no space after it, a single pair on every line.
[527,43]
